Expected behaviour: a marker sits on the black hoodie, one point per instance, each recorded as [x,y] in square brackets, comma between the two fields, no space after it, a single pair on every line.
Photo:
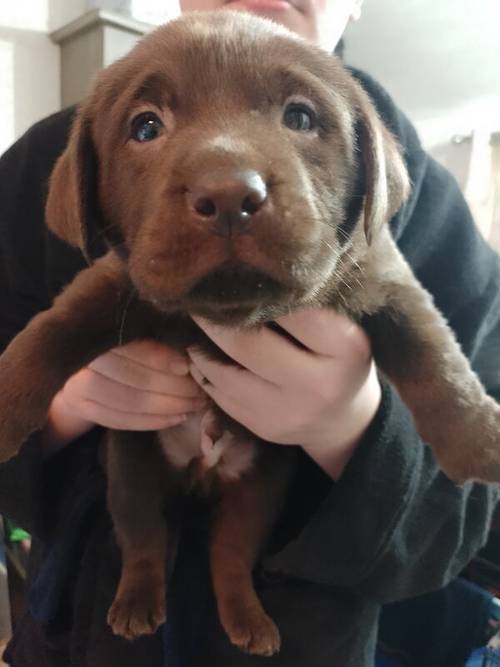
[392,527]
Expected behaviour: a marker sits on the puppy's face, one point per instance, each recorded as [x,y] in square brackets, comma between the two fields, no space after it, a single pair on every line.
[224,168]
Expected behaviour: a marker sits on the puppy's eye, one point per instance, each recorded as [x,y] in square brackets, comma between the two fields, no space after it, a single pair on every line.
[299,117]
[146,127]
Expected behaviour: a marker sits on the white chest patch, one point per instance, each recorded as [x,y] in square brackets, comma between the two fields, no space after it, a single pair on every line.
[198,438]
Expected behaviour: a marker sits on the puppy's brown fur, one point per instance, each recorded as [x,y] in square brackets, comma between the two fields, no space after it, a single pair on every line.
[314,233]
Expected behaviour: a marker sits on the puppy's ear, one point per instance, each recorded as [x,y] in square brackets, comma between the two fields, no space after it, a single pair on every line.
[387,184]
[72,211]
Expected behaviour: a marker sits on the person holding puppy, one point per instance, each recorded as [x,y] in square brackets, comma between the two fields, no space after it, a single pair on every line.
[370,518]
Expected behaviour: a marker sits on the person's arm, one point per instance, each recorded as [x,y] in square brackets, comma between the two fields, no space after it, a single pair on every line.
[394,526]
[27,284]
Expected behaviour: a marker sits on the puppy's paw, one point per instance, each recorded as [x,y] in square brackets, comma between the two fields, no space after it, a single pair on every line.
[473,464]
[136,613]
[14,431]
[251,630]
[24,406]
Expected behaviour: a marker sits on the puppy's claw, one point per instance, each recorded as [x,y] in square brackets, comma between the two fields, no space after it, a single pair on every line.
[252,631]
[132,616]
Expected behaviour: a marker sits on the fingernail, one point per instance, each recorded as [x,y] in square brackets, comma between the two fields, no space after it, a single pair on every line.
[193,370]
[177,420]
[179,367]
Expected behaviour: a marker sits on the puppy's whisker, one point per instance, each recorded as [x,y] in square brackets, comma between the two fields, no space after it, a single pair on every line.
[106,228]
[344,282]
[133,292]
[329,246]
[98,236]
[116,246]
[353,261]
[343,234]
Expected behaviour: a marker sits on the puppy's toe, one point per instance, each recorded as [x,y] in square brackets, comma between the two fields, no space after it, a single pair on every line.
[132,616]
[253,631]
[480,464]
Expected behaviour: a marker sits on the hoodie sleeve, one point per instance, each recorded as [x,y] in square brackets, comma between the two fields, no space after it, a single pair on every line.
[33,267]
[394,526]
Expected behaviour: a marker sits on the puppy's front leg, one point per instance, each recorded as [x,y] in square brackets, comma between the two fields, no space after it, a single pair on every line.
[83,322]
[416,349]
[245,516]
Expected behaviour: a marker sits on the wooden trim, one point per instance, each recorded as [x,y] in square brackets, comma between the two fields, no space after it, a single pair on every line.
[98,18]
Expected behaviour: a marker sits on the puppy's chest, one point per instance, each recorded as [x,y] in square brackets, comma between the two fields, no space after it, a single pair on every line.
[199,441]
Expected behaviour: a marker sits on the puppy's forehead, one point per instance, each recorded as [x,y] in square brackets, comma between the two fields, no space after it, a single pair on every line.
[207,51]
[234,29]
[230,22]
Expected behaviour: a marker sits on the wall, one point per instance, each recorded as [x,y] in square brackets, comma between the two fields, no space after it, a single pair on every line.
[29,61]
[461,140]
[440,63]
[29,67]
[149,11]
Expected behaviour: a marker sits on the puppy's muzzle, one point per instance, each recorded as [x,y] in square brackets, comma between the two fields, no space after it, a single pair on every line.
[227,201]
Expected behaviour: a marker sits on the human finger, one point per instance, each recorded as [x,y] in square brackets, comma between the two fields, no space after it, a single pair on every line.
[154,355]
[127,371]
[264,351]
[326,332]
[127,421]
[226,378]
[91,385]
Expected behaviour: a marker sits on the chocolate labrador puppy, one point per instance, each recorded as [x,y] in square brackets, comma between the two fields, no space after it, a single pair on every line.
[229,169]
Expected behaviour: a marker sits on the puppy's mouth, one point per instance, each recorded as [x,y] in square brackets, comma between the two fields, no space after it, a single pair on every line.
[233,288]
[261,6]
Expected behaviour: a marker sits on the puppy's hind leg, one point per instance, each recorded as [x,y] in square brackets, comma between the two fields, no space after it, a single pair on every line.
[244,518]
[138,484]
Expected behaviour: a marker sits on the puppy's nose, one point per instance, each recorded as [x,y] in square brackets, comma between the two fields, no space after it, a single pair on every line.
[227,200]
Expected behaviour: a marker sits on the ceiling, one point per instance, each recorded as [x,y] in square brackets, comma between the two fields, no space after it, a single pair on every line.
[431,55]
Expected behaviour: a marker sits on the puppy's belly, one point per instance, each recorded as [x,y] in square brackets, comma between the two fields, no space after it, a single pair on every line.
[198,439]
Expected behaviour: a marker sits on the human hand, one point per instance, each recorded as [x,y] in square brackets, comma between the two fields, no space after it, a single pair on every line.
[321,396]
[142,386]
